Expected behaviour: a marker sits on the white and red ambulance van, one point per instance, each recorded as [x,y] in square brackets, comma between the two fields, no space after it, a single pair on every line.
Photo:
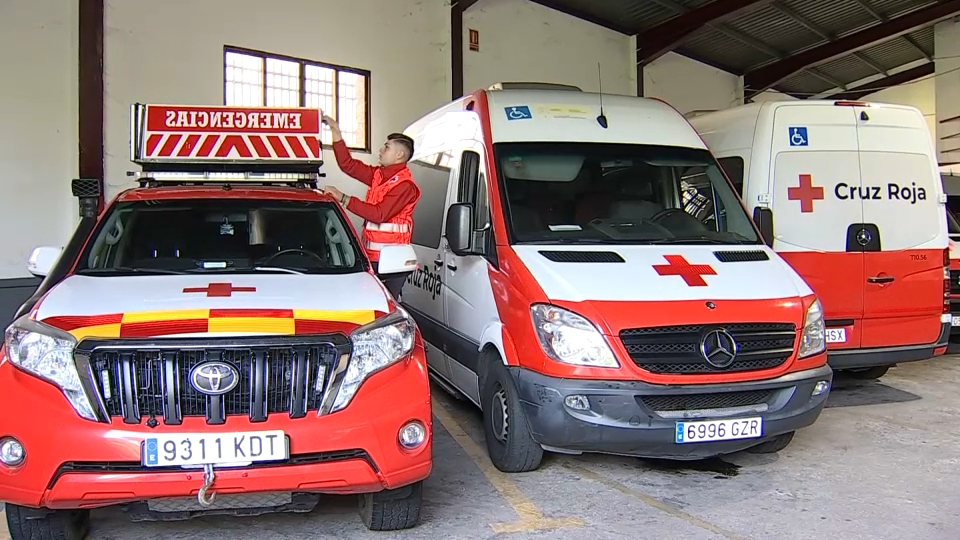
[213,340]
[849,194]
[589,279]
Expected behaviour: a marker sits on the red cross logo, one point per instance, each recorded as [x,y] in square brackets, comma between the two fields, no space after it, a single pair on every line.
[806,193]
[691,273]
[219,289]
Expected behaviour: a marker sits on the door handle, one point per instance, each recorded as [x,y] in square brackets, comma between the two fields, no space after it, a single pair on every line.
[878,279]
[452,266]
[437,262]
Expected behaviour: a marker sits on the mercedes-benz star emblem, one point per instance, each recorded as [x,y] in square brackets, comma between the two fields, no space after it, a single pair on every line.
[718,348]
[214,378]
[863,237]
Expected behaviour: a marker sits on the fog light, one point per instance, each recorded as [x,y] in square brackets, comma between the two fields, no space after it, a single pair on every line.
[577,402]
[412,435]
[11,452]
[821,388]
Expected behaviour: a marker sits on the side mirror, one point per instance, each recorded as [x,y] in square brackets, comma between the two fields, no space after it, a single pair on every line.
[42,259]
[763,217]
[459,228]
[397,259]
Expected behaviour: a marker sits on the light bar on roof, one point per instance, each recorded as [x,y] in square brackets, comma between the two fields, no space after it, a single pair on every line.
[174,137]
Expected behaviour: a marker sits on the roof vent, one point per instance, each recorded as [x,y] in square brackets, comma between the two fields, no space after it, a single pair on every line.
[532,86]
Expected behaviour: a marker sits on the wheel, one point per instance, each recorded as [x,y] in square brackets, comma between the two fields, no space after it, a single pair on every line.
[774,445]
[509,443]
[392,509]
[867,374]
[34,524]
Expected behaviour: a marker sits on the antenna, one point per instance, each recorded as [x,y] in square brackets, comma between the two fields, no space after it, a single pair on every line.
[602,119]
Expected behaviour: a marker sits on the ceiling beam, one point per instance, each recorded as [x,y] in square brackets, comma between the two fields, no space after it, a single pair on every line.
[896,79]
[761,79]
[663,38]
[881,18]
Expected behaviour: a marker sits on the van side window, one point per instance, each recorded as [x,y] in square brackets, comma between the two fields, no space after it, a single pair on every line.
[733,167]
[432,175]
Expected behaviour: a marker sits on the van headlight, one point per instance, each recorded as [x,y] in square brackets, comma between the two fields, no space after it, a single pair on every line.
[571,339]
[813,340]
[47,352]
[376,345]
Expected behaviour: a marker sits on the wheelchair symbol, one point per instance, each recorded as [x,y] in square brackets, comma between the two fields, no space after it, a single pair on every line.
[521,112]
[798,136]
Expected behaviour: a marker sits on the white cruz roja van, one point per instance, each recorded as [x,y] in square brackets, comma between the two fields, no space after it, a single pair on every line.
[589,278]
[849,194]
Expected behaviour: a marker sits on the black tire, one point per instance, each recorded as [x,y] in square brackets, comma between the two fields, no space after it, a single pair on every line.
[41,524]
[509,443]
[867,374]
[392,509]
[774,445]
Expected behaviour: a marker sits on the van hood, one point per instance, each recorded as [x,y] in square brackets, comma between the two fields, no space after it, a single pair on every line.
[661,273]
[220,304]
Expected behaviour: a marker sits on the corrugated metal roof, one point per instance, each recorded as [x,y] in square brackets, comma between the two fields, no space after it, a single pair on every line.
[804,84]
[847,69]
[893,53]
[712,44]
[752,37]
[770,25]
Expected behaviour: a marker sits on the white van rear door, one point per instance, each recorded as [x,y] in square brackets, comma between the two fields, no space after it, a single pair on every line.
[903,264]
[816,178]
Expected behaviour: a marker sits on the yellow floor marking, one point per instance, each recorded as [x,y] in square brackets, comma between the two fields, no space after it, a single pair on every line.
[658,504]
[531,518]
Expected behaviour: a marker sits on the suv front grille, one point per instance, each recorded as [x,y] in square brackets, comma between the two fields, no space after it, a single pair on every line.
[676,349]
[153,380]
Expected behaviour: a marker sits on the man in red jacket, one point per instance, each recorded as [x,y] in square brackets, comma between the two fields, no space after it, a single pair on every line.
[387,210]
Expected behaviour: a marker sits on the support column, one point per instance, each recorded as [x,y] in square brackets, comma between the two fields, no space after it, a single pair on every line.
[457,7]
[90,95]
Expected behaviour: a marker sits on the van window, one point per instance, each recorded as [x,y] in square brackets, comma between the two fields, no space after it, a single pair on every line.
[432,175]
[618,193]
[473,190]
[221,236]
[733,166]
[953,226]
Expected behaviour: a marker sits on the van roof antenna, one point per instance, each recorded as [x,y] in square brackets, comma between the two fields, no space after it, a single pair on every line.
[602,119]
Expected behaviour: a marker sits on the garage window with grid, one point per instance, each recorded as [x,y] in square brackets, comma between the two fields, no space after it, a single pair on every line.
[254,79]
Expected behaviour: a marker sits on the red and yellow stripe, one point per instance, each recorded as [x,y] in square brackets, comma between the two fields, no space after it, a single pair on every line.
[143,324]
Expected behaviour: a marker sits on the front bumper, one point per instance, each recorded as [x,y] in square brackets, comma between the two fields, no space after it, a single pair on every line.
[624,420]
[888,356]
[75,463]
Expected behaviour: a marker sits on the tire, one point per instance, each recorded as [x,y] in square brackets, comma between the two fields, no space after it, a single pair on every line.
[774,445]
[509,444]
[392,509]
[868,374]
[42,524]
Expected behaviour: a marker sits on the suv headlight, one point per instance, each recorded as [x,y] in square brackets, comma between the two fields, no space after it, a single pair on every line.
[376,345]
[813,340]
[569,338]
[47,352]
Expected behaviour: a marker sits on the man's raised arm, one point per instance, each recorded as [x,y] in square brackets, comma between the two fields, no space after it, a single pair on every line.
[352,167]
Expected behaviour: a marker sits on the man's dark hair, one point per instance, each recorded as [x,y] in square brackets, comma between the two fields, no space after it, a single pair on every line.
[406,141]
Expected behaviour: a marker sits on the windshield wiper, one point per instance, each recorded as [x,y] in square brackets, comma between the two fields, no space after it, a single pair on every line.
[277,269]
[158,271]
[577,241]
[696,240]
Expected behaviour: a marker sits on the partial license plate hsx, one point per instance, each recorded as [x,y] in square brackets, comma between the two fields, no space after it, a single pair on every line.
[184,449]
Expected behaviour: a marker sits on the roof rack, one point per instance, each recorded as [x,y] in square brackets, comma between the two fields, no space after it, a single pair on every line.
[223,145]
[532,86]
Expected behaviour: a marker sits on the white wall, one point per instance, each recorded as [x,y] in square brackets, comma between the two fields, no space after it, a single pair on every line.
[689,85]
[920,94]
[524,41]
[38,127]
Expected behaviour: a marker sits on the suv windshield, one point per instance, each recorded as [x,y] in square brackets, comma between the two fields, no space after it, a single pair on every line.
[221,236]
[619,193]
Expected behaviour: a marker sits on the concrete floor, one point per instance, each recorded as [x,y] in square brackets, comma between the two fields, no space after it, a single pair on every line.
[882,462]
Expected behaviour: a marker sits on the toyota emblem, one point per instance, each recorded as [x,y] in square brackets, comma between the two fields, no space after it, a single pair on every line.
[718,348]
[214,378]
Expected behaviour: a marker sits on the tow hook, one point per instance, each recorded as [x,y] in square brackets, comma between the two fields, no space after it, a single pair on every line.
[208,477]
